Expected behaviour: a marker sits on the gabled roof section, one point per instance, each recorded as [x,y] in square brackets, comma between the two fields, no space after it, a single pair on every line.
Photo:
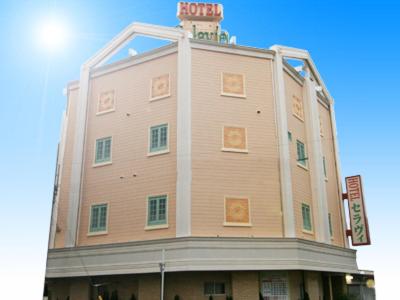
[128,34]
[304,55]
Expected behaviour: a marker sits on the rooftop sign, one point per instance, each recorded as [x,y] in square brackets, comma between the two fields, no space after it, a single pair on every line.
[204,11]
[358,219]
[203,21]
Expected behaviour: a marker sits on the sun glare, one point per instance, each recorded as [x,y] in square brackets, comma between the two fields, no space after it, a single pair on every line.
[52,34]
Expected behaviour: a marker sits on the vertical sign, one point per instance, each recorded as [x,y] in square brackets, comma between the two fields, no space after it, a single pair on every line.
[358,218]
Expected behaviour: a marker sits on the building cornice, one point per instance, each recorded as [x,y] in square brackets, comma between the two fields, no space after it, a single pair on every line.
[200,254]
[232,49]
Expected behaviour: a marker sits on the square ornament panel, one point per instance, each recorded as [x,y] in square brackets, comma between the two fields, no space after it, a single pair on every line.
[233,84]
[237,210]
[160,87]
[298,109]
[106,101]
[235,138]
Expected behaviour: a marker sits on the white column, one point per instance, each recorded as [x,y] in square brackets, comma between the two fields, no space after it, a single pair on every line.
[338,172]
[284,154]
[60,162]
[315,154]
[77,159]
[184,139]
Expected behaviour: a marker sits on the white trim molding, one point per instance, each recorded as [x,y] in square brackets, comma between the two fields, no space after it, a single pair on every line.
[284,151]
[310,101]
[58,180]
[200,254]
[184,138]
[315,154]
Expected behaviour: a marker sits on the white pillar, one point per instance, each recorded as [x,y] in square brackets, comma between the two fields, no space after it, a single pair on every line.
[77,159]
[338,173]
[284,154]
[59,169]
[184,139]
[315,155]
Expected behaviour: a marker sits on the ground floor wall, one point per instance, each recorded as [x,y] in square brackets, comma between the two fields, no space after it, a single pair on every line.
[237,285]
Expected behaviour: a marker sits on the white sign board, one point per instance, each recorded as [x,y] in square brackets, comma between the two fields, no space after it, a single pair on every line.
[357,213]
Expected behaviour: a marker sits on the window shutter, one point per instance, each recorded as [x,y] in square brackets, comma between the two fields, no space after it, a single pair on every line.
[99,150]
[107,149]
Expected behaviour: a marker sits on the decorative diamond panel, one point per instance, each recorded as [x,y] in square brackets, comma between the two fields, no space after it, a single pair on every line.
[233,84]
[106,101]
[235,138]
[237,210]
[160,87]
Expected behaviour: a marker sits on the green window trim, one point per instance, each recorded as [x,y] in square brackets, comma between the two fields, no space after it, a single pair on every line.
[159,138]
[301,153]
[324,164]
[330,225]
[306,213]
[103,150]
[289,136]
[98,218]
[157,210]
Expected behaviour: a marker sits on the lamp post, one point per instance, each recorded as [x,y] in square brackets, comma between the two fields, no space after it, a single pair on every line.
[162,269]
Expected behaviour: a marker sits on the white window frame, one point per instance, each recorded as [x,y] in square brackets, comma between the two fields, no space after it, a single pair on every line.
[158,226]
[325,168]
[305,167]
[164,151]
[311,219]
[103,232]
[330,225]
[105,163]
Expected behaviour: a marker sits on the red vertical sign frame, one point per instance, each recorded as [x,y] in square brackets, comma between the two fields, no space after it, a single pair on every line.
[349,197]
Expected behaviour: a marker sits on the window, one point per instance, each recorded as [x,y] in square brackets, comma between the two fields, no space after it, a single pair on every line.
[301,154]
[321,130]
[103,150]
[234,139]
[214,288]
[275,287]
[289,134]
[306,212]
[233,85]
[98,218]
[330,225]
[298,110]
[159,138]
[324,164]
[157,210]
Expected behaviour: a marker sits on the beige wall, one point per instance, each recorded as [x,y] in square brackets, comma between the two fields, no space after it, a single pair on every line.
[129,127]
[332,186]
[217,174]
[65,176]
[301,182]
[245,285]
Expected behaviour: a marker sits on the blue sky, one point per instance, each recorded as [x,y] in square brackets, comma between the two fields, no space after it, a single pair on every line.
[355,45]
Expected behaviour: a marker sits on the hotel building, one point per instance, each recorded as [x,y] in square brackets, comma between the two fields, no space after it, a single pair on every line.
[198,170]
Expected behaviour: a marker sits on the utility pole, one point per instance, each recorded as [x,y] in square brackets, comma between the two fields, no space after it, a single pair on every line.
[162,269]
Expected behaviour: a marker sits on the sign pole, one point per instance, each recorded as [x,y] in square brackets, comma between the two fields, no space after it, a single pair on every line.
[162,269]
